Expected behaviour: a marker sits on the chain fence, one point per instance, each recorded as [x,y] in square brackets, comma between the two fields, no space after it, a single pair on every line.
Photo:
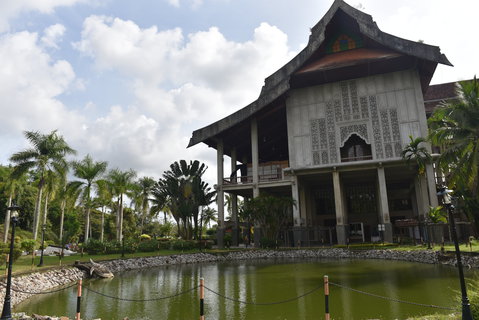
[263,303]
[389,298]
[141,300]
[3,284]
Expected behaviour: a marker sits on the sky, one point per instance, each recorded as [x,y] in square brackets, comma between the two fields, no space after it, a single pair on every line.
[128,81]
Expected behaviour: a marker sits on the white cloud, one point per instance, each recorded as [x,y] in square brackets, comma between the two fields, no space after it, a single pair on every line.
[180,83]
[52,35]
[11,8]
[192,3]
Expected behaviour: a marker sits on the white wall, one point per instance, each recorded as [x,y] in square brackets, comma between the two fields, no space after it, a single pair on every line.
[383,109]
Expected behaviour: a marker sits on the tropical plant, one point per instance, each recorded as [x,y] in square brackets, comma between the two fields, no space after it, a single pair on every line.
[454,126]
[12,187]
[270,212]
[90,173]
[142,191]
[437,214]
[121,182]
[184,191]
[48,152]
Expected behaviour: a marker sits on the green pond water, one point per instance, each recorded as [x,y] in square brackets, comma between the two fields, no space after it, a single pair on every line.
[262,281]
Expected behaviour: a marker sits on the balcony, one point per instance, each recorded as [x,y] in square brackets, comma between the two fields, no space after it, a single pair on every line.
[268,172]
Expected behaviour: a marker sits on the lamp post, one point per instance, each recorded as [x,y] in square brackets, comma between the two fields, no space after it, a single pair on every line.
[44,227]
[446,200]
[7,310]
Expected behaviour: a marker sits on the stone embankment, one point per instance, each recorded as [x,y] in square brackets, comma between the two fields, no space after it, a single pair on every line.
[23,287]
[38,282]
[430,257]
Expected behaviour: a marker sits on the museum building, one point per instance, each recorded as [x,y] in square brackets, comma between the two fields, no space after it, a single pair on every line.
[328,129]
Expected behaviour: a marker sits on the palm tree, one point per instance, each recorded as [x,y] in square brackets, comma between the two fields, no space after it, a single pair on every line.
[121,182]
[12,187]
[143,190]
[183,190]
[90,172]
[208,216]
[103,199]
[455,127]
[48,152]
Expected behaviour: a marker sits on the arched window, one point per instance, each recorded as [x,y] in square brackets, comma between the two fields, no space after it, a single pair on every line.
[355,149]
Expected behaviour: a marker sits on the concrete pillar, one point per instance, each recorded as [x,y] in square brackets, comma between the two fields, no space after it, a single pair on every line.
[296,212]
[220,195]
[342,230]
[384,206]
[255,169]
[420,186]
[234,203]
[431,185]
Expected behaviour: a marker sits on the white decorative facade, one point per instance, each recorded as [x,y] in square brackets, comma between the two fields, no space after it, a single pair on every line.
[328,129]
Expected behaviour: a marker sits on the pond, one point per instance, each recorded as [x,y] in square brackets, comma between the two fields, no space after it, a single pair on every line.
[262,281]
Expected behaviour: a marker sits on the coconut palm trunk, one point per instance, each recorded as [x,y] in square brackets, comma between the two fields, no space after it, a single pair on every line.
[62,217]
[7,218]
[36,214]
[102,231]
[87,224]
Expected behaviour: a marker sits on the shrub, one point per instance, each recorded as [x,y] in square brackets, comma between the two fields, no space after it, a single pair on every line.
[267,243]
[5,249]
[228,240]
[94,246]
[148,246]
[145,237]
[112,247]
[164,245]
[183,245]
[129,245]
[211,232]
[204,244]
[28,245]
[473,294]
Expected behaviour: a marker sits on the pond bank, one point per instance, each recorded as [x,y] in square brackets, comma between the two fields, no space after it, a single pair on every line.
[44,281]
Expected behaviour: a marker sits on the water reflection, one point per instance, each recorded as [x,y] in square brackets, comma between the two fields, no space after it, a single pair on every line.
[262,281]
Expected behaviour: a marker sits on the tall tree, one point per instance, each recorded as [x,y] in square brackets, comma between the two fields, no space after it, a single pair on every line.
[89,172]
[12,187]
[103,199]
[121,183]
[183,189]
[141,199]
[48,152]
[454,126]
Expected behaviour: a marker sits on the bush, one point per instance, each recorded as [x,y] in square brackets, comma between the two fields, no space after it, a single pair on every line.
[148,246]
[94,246]
[5,249]
[204,244]
[164,244]
[473,295]
[129,245]
[228,240]
[145,237]
[211,232]
[112,247]
[28,245]
[183,245]
[267,243]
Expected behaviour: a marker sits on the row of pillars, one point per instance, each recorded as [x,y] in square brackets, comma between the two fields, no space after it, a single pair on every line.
[425,193]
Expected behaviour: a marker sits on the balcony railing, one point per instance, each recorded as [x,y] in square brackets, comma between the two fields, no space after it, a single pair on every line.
[249,179]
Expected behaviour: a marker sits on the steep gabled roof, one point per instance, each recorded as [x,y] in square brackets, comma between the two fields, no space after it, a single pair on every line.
[277,84]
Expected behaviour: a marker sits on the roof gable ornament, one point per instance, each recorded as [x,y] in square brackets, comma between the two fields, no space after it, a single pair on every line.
[279,83]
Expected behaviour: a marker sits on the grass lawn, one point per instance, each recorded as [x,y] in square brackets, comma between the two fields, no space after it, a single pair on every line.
[24,263]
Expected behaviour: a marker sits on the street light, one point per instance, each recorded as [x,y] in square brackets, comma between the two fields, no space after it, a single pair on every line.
[446,200]
[7,310]
[44,227]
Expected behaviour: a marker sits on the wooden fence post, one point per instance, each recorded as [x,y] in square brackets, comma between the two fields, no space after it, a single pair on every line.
[78,300]
[202,299]
[326,298]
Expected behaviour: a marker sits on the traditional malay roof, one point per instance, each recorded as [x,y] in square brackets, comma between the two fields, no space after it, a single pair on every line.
[313,64]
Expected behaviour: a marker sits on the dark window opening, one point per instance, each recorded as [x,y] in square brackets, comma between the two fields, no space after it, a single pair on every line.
[355,149]
[361,199]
